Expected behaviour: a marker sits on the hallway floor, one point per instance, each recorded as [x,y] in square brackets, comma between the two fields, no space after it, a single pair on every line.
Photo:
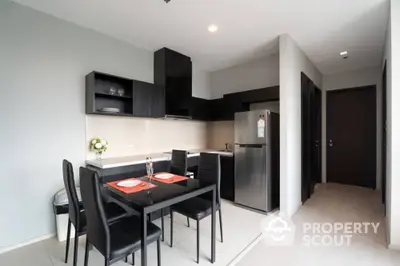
[332,203]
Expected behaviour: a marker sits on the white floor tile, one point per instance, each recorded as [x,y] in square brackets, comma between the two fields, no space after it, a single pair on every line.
[241,226]
[333,203]
[330,203]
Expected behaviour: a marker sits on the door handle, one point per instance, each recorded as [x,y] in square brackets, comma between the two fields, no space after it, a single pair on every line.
[330,143]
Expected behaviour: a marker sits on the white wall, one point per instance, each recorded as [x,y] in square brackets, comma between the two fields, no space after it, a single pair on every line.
[393,125]
[201,85]
[293,61]
[387,57]
[42,72]
[351,79]
[260,73]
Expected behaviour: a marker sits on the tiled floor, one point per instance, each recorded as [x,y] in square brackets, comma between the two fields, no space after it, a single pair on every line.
[241,226]
[332,203]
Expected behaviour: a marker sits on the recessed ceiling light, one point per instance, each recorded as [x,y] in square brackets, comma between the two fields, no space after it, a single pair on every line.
[213,28]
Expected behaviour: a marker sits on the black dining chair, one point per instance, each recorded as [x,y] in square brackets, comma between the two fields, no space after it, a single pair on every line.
[200,207]
[77,213]
[178,166]
[114,241]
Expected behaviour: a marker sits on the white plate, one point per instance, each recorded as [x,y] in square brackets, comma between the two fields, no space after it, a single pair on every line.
[110,110]
[164,176]
[128,183]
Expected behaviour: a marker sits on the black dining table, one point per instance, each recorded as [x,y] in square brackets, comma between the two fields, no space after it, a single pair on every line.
[162,196]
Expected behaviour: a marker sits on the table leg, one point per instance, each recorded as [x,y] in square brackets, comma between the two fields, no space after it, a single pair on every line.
[213,209]
[143,233]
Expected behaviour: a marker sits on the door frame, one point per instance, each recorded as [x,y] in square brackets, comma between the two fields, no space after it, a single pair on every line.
[326,132]
[310,131]
[384,133]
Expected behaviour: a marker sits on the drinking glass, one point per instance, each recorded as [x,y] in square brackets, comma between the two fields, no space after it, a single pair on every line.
[149,170]
[121,92]
[112,90]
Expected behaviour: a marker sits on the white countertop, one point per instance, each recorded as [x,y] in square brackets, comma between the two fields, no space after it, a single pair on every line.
[139,159]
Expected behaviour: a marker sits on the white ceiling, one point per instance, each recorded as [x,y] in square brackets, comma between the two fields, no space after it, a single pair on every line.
[247,28]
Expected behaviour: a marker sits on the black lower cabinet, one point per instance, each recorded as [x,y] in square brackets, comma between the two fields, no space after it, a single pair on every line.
[227,178]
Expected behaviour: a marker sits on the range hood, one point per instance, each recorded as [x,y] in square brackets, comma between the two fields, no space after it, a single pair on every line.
[173,71]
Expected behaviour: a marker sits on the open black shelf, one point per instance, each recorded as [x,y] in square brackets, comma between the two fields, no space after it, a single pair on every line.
[98,96]
[116,96]
[111,114]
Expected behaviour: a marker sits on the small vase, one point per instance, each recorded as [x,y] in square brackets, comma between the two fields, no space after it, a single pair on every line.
[98,155]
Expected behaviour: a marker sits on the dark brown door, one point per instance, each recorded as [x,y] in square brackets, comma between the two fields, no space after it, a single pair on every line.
[311,136]
[351,136]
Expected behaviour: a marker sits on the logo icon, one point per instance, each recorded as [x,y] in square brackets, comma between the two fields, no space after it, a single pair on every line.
[278,230]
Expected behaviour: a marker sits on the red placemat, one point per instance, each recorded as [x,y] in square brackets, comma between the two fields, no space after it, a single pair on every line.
[129,190]
[174,179]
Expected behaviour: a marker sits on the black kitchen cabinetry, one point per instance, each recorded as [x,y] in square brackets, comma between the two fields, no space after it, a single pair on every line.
[227,177]
[254,96]
[139,98]
[102,91]
[226,107]
[148,99]
[200,109]
[221,110]
[173,71]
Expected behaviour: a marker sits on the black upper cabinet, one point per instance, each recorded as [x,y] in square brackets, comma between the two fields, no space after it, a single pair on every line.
[148,99]
[139,98]
[173,71]
[157,101]
[226,107]
[104,90]
[200,109]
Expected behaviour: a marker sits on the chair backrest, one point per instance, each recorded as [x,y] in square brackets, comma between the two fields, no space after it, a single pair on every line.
[178,162]
[98,231]
[210,171]
[73,201]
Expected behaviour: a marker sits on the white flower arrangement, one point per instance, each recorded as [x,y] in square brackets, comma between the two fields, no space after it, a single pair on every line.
[98,145]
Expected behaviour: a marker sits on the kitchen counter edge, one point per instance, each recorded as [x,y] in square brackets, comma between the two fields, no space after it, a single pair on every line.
[139,159]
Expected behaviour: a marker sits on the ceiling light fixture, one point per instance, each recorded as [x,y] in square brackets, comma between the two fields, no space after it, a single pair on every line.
[213,28]
[344,55]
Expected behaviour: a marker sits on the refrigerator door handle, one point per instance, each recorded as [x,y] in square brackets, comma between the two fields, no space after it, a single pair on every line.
[259,146]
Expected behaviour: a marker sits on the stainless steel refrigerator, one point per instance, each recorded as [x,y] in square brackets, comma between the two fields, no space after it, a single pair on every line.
[257,159]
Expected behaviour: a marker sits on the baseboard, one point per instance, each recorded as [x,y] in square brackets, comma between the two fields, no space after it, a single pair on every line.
[394,247]
[31,241]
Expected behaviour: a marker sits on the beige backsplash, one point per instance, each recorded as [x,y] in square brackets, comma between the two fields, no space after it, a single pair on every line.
[134,136]
[219,133]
